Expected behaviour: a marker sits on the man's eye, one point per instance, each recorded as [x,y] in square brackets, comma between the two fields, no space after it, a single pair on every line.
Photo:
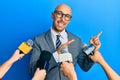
[59,13]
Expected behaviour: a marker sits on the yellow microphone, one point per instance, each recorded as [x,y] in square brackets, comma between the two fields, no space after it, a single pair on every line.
[26,47]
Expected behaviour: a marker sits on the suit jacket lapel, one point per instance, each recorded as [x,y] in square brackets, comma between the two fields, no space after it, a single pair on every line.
[52,49]
[70,45]
[50,41]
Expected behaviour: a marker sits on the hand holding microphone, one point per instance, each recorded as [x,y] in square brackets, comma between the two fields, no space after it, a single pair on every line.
[68,70]
[23,49]
[39,74]
[16,56]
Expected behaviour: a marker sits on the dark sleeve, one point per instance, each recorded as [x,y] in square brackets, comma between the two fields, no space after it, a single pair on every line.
[83,60]
[35,53]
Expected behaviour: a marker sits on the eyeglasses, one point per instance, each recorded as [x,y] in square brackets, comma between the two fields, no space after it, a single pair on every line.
[60,14]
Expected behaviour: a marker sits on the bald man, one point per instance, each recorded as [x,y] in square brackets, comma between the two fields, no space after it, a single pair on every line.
[51,41]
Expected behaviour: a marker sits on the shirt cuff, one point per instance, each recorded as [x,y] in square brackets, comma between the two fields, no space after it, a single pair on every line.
[55,55]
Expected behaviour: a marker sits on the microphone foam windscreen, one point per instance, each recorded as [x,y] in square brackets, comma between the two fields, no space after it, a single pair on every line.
[45,56]
[30,42]
[65,57]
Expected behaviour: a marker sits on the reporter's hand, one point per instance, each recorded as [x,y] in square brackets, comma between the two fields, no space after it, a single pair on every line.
[16,56]
[65,44]
[68,70]
[6,66]
[97,57]
[39,74]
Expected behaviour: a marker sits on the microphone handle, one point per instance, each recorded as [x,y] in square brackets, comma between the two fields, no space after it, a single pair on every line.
[46,66]
[21,52]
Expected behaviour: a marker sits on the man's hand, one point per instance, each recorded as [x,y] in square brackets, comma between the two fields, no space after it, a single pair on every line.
[65,44]
[95,41]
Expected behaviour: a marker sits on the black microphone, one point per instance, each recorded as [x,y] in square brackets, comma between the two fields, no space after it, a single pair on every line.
[88,50]
[65,55]
[43,61]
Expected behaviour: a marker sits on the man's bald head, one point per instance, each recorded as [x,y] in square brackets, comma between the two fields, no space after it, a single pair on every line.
[61,17]
[64,8]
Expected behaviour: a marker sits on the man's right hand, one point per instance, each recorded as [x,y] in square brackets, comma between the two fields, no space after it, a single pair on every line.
[65,44]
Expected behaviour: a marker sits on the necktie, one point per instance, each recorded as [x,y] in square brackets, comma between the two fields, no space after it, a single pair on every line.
[58,42]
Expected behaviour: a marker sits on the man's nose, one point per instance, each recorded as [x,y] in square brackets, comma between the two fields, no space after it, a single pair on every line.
[63,18]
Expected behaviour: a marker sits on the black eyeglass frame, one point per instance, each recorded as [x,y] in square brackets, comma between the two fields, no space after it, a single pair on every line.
[63,15]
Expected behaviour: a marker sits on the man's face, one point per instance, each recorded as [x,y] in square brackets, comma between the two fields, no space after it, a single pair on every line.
[61,17]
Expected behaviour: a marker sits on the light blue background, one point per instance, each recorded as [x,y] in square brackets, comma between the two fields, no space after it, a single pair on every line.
[21,20]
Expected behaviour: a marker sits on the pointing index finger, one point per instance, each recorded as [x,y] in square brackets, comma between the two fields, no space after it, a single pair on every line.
[69,42]
[98,35]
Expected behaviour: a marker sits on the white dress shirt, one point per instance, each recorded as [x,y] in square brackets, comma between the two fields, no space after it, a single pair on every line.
[63,39]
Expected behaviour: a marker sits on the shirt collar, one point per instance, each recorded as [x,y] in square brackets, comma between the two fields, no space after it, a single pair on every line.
[62,34]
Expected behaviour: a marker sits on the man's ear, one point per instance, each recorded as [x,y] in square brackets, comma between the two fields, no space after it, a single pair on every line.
[52,15]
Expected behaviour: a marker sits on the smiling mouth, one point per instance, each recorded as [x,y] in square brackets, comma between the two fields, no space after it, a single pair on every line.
[60,24]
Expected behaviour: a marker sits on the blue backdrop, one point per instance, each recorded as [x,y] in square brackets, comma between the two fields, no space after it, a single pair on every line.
[21,20]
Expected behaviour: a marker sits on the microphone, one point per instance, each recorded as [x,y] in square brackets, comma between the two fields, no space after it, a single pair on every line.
[43,61]
[25,47]
[65,56]
[88,50]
